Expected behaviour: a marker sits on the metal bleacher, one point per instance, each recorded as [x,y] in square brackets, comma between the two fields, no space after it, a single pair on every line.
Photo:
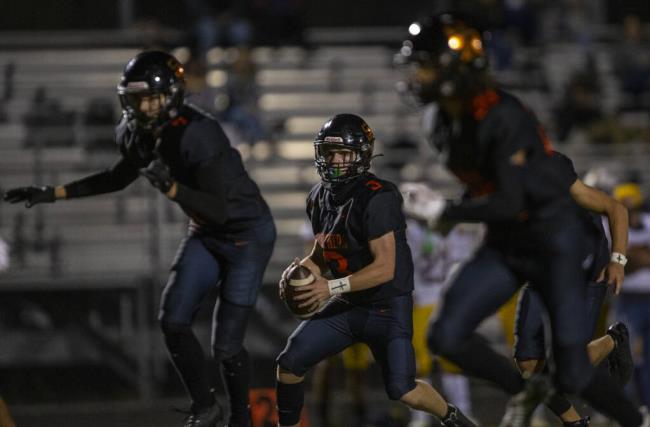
[303,88]
[114,240]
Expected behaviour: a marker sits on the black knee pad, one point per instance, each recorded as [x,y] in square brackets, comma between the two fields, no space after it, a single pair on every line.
[288,363]
[398,387]
[232,320]
[290,399]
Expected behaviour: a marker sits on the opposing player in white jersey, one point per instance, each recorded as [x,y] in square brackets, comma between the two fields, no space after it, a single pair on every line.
[436,256]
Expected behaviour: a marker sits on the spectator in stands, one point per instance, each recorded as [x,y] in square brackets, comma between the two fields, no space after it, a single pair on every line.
[223,23]
[279,22]
[99,120]
[634,303]
[199,92]
[47,122]
[580,105]
[631,60]
[186,156]
[241,108]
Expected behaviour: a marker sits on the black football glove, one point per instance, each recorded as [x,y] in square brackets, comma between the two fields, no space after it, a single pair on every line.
[158,175]
[30,195]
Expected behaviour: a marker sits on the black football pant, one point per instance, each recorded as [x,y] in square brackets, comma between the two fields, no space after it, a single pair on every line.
[237,267]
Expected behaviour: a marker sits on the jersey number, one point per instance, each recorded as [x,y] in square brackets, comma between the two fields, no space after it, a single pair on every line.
[341,261]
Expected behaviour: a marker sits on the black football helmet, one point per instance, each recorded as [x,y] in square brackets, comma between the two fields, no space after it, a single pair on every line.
[445,56]
[152,73]
[349,132]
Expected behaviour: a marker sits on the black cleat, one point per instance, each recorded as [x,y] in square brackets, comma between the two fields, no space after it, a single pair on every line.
[206,417]
[521,406]
[621,365]
[582,422]
[455,418]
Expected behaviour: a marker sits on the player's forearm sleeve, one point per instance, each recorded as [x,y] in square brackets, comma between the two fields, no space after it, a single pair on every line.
[113,179]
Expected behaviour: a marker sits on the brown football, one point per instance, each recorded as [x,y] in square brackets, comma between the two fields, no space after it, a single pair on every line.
[296,278]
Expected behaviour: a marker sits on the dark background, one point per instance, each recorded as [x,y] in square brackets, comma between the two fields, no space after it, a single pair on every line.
[93,14]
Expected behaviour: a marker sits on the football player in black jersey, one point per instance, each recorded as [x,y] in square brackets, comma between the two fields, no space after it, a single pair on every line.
[530,348]
[536,231]
[360,241]
[185,154]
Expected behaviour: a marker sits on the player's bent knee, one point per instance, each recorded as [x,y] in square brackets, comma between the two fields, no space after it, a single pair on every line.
[234,363]
[290,364]
[400,390]
[288,377]
[440,339]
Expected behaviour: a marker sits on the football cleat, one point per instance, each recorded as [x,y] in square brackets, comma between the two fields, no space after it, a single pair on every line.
[521,406]
[621,365]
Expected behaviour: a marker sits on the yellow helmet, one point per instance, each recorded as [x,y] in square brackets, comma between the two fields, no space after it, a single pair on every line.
[629,191]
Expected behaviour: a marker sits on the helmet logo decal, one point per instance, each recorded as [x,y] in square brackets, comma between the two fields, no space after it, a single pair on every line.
[137,86]
[333,139]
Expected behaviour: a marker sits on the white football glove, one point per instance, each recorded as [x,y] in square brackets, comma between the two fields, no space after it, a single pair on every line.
[422,203]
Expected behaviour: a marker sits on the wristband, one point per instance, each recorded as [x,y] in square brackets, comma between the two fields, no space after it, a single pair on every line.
[339,286]
[618,258]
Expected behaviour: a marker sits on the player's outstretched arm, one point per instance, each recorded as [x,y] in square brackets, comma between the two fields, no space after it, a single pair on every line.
[113,179]
[31,195]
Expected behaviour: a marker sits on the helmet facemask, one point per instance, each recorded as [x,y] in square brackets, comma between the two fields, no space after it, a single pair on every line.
[162,105]
[338,163]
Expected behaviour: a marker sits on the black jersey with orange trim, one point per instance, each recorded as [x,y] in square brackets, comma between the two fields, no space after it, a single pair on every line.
[345,219]
[502,155]
[214,189]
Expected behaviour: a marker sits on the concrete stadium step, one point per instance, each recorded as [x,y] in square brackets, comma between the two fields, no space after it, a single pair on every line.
[381,101]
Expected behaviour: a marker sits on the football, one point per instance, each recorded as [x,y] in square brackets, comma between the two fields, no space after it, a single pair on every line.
[296,278]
